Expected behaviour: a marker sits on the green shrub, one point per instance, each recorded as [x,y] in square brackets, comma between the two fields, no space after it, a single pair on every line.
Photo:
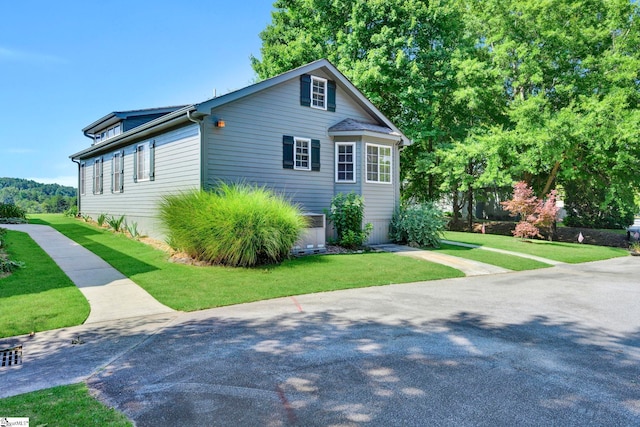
[72,211]
[115,223]
[6,265]
[132,229]
[9,211]
[235,225]
[101,219]
[418,225]
[347,214]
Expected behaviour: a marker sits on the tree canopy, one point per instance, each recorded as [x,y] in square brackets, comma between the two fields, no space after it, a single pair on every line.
[491,92]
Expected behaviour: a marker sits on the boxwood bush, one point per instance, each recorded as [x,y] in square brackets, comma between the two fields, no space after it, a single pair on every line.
[418,225]
[234,225]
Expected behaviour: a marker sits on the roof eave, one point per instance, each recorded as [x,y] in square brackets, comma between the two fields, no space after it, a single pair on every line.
[141,131]
[390,136]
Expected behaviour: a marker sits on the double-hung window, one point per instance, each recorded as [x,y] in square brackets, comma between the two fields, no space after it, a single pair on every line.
[143,162]
[97,176]
[378,164]
[318,93]
[302,153]
[345,162]
[117,172]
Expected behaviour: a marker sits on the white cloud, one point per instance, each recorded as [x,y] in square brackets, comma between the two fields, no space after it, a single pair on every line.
[15,55]
[71,181]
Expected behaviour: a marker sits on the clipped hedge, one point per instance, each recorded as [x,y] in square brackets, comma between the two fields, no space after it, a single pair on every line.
[234,225]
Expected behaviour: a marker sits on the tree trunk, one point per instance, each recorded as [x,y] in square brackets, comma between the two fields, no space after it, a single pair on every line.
[456,207]
[552,177]
[470,208]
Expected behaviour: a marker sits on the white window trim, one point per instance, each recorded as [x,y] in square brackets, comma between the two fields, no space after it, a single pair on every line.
[355,163]
[297,139]
[366,151]
[147,157]
[326,93]
[104,135]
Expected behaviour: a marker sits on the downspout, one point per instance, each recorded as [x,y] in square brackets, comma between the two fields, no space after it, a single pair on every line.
[201,150]
[78,201]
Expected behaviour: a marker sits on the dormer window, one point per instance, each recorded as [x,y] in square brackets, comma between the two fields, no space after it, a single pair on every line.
[108,133]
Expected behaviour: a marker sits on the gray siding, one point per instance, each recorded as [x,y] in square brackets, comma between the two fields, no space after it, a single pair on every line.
[250,146]
[380,199]
[177,168]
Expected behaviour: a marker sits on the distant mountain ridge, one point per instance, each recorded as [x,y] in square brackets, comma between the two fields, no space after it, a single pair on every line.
[35,197]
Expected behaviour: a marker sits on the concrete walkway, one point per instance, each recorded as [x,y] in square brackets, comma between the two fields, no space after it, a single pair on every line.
[467,266]
[502,251]
[111,295]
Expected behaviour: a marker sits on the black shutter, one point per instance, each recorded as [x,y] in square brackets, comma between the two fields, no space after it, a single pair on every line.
[152,161]
[287,151]
[331,95]
[101,175]
[113,174]
[121,171]
[305,90]
[315,155]
[135,163]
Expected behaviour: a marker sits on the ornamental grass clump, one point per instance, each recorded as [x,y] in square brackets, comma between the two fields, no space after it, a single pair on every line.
[237,225]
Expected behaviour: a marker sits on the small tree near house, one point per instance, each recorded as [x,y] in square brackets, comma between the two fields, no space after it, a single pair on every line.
[534,213]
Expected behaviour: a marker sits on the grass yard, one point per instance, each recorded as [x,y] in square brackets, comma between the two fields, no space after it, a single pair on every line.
[38,296]
[188,288]
[572,253]
[510,262]
[62,406]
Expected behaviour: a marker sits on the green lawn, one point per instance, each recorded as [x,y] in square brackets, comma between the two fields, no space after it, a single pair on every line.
[38,296]
[188,288]
[510,262]
[62,406]
[565,252]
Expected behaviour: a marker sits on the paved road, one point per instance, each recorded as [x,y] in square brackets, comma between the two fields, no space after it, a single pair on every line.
[558,346]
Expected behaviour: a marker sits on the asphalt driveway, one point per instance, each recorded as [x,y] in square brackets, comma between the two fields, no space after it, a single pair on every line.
[558,346]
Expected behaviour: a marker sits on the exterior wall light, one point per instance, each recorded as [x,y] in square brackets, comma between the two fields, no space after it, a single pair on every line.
[220,123]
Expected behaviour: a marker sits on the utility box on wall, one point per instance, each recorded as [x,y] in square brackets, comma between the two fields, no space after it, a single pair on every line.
[313,237]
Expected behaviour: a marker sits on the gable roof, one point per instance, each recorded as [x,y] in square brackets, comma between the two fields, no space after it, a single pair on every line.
[170,116]
[321,64]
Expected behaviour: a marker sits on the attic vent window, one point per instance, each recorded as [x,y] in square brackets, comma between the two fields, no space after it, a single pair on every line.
[317,92]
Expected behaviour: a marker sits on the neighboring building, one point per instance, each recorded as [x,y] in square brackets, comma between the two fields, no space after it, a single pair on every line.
[308,134]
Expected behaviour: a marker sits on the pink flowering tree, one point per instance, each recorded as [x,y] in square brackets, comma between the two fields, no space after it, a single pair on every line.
[534,213]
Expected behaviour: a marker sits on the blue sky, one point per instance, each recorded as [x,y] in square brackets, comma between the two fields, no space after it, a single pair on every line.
[65,64]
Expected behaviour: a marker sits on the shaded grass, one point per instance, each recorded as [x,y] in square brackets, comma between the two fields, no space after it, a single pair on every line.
[188,288]
[70,405]
[559,251]
[38,296]
[510,262]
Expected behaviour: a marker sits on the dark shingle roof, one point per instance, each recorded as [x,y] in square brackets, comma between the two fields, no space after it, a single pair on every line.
[355,125]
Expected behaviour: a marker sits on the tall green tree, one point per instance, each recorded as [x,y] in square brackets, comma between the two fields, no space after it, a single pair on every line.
[569,70]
